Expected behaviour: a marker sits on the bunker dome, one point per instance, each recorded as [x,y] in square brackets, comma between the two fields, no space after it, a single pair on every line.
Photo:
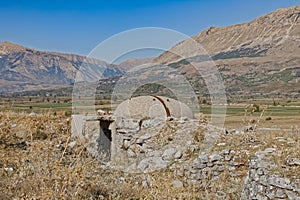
[108,135]
[151,107]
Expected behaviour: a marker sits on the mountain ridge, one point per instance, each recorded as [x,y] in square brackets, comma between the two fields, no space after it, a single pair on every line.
[223,39]
[23,68]
[260,56]
[257,57]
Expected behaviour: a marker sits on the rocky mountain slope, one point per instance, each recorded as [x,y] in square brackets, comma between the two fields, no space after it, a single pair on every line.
[133,62]
[22,68]
[261,56]
[276,33]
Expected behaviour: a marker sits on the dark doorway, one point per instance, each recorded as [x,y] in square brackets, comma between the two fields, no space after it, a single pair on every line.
[104,124]
[105,139]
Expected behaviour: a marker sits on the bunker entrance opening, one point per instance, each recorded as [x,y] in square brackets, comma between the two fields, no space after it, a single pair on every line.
[105,138]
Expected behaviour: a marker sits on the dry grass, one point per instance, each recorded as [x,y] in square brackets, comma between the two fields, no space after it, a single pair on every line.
[37,163]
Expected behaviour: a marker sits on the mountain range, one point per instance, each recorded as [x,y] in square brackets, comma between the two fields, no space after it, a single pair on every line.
[257,57]
[25,69]
[261,57]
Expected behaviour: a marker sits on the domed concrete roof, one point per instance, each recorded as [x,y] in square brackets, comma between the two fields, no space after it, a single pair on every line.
[151,107]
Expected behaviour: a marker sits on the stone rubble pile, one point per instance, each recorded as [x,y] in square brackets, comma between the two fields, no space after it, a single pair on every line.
[186,147]
[153,144]
[262,184]
[208,167]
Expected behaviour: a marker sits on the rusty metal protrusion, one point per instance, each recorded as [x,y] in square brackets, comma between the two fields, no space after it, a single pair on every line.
[168,113]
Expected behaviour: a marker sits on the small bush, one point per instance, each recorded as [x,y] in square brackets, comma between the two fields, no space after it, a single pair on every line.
[268,118]
[255,108]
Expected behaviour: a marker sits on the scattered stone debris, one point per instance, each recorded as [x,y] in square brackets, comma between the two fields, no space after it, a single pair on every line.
[9,169]
[270,150]
[177,184]
[32,114]
[261,184]
[185,147]
[293,161]
[72,144]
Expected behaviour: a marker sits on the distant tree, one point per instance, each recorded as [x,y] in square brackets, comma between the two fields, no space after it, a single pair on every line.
[255,108]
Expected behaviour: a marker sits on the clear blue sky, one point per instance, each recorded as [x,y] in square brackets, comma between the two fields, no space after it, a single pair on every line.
[78,26]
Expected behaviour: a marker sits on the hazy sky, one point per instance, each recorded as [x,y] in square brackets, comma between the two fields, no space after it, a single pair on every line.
[78,26]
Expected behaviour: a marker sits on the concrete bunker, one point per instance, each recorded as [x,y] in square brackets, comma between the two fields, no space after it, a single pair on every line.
[109,135]
[152,107]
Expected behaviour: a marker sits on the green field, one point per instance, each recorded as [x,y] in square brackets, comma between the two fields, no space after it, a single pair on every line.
[240,110]
[64,104]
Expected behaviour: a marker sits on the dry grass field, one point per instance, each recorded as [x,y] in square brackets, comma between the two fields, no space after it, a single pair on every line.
[38,162]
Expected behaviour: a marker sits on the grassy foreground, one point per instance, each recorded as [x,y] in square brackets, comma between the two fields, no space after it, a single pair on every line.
[37,162]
